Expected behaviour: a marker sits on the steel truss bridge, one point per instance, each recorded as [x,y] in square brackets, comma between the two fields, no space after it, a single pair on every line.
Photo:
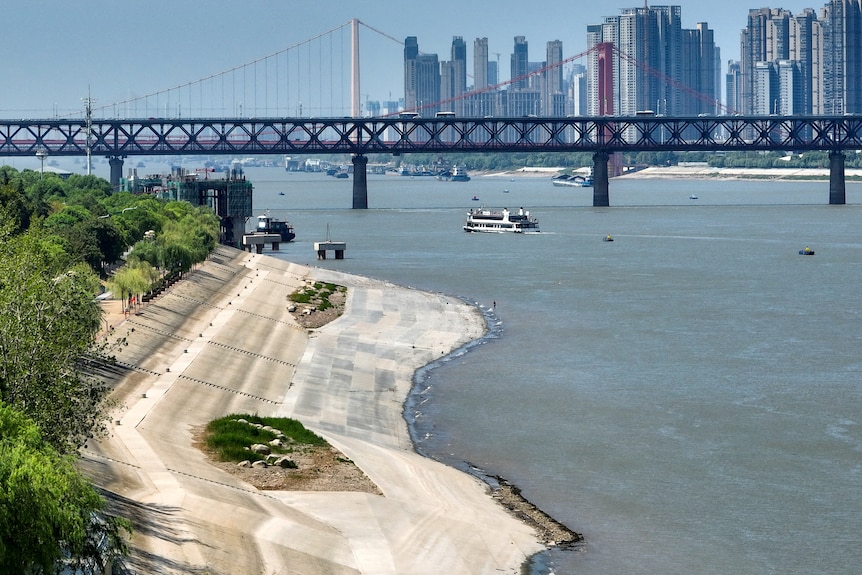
[601,136]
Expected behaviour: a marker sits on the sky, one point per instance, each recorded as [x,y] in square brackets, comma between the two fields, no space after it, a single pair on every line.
[54,53]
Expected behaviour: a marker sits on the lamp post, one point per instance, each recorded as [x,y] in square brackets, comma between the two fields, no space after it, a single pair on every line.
[42,154]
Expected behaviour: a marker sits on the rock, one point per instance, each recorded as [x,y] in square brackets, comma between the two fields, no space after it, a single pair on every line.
[245,463]
[276,443]
[261,449]
[285,462]
[259,465]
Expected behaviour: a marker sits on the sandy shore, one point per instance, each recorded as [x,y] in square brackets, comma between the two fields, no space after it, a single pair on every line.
[222,341]
[685,172]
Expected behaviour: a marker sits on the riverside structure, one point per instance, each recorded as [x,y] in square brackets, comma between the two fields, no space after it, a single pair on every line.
[221,342]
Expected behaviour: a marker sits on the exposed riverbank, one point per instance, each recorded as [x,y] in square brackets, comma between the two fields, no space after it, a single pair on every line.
[222,341]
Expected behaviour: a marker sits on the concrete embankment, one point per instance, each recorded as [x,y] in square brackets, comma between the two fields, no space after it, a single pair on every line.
[222,341]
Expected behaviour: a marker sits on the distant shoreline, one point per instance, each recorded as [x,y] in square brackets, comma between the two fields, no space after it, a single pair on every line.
[691,173]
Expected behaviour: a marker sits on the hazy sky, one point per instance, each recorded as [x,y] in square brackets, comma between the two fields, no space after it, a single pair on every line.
[53,52]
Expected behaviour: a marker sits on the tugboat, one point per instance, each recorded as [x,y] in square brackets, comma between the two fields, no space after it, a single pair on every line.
[269,225]
[459,174]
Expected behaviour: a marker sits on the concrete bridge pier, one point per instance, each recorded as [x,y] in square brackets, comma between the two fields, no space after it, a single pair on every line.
[837,185]
[360,182]
[116,163]
[600,179]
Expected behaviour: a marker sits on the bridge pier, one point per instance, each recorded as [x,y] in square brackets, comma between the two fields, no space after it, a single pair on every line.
[360,182]
[116,163]
[836,179]
[601,197]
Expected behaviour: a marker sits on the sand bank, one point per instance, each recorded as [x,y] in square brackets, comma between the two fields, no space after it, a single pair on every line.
[223,341]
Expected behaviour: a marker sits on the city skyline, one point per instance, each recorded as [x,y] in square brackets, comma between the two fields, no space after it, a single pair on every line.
[55,56]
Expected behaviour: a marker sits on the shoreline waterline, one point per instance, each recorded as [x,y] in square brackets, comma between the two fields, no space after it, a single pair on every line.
[553,533]
[386,333]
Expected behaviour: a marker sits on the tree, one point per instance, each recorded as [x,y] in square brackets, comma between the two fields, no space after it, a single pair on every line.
[48,326]
[134,278]
[48,511]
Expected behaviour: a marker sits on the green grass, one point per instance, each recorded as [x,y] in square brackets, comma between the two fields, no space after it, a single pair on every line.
[230,438]
[318,294]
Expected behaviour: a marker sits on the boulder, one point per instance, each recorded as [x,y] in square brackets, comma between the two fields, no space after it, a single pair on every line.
[261,449]
[285,462]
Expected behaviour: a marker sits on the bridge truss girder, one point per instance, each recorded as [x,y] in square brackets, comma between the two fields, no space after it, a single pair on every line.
[295,136]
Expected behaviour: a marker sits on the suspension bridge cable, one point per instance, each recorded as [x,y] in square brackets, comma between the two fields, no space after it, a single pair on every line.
[229,70]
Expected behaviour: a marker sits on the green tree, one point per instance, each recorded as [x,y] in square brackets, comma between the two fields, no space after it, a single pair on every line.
[134,278]
[49,514]
[48,325]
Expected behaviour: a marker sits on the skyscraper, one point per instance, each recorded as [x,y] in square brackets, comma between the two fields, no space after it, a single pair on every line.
[520,65]
[421,79]
[658,66]
[842,20]
[733,96]
[816,62]
[459,75]
[480,63]
[553,97]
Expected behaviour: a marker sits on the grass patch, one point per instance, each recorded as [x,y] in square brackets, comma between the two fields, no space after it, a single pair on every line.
[317,294]
[230,438]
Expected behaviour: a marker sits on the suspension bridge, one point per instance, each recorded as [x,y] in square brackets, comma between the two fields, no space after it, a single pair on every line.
[213,117]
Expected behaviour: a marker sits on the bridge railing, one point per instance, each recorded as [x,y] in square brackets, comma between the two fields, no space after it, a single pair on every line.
[156,136]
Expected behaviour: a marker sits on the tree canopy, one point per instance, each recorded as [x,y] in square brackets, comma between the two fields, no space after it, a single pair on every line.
[48,322]
[57,237]
[49,514]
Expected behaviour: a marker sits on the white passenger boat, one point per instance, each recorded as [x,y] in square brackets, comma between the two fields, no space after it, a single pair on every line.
[484,220]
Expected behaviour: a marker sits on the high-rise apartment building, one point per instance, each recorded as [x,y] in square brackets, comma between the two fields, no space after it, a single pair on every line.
[842,60]
[658,65]
[480,64]
[520,65]
[459,74]
[733,88]
[815,62]
[421,79]
[553,95]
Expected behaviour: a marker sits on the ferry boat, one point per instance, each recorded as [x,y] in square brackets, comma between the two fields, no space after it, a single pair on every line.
[484,220]
[572,181]
[269,225]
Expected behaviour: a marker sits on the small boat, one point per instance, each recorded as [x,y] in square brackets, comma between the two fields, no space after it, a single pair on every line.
[488,221]
[692,197]
[608,238]
[475,198]
[505,191]
[280,193]
[269,225]
[806,252]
